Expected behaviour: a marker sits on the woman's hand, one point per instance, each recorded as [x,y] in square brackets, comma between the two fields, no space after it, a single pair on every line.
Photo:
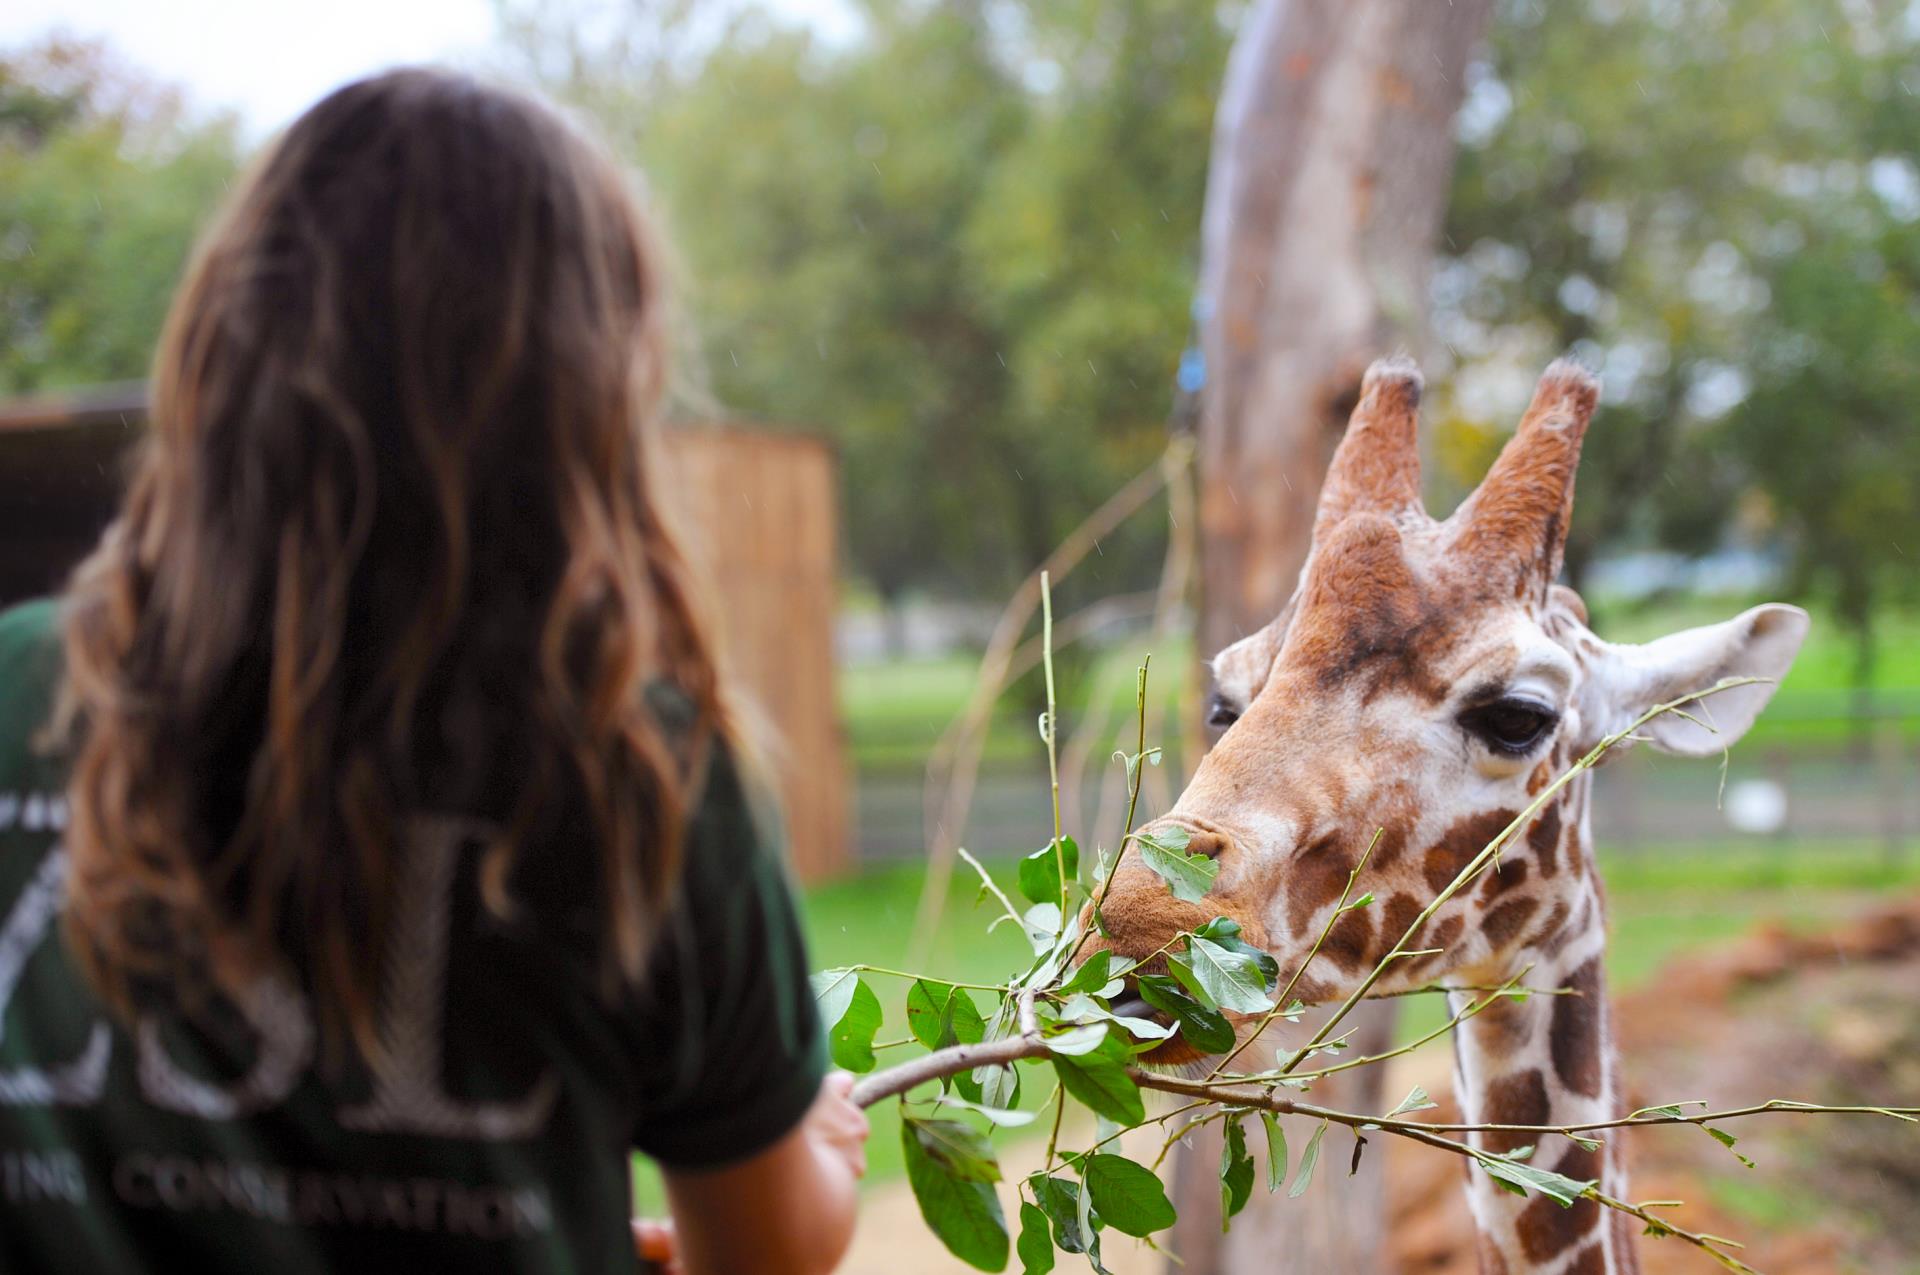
[836,1127]
[658,1246]
[803,1193]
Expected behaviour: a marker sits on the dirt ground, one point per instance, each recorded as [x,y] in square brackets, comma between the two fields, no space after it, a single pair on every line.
[1833,1017]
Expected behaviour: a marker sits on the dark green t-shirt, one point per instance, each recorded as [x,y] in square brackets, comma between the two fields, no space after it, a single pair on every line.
[496,1135]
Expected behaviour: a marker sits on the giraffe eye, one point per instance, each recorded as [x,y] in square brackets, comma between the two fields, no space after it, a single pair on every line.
[1221,714]
[1510,726]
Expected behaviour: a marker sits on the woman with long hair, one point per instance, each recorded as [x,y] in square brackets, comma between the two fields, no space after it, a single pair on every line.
[377,870]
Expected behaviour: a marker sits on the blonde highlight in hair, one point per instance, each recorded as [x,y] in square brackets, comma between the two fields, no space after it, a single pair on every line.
[391,545]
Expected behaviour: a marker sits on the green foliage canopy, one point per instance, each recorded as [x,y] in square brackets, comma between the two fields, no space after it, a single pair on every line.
[104,179]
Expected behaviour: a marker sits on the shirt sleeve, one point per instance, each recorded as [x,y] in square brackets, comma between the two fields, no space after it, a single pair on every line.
[744,1051]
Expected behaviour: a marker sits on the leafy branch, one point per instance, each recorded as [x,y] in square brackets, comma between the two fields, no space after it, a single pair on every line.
[1090,1021]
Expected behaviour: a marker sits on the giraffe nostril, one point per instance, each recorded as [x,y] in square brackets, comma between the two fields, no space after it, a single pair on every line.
[1203,842]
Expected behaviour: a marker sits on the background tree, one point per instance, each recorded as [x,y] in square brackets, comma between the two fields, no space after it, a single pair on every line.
[104,180]
[1331,156]
[1737,262]
[962,245]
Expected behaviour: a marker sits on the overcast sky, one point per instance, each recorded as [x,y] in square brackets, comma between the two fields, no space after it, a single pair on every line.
[270,59]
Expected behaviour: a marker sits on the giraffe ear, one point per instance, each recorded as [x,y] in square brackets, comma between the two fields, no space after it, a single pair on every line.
[1629,680]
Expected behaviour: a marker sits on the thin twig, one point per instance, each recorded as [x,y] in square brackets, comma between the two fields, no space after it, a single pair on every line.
[1133,798]
[1052,735]
[1473,1008]
[1280,1001]
[988,881]
[954,765]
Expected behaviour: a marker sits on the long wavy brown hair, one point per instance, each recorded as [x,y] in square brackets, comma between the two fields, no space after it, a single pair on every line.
[391,545]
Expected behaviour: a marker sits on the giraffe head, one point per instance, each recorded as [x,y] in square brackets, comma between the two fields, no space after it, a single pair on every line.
[1424,683]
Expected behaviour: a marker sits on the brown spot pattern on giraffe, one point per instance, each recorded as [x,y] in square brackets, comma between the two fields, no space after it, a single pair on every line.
[1395,917]
[1393,844]
[1460,843]
[1509,874]
[1350,943]
[1492,1260]
[1574,1038]
[1572,921]
[1544,837]
[1551,932]
[1546,1229]
[1507,1025]
[1445,934]
[1520,1098]
[1590,1261]
[1502,925]
[1314,880]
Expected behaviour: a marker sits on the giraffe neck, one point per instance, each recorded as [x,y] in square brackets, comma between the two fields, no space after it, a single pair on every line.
[1549,1060]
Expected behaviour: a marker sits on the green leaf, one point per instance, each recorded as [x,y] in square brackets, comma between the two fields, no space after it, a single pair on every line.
[964,1212]
[833,992]
[1083,1008]
[999,1085]
[1359,903]
[1226,932]
[852,1014]
[1083,1217]
[927,1011]
[1059,1199]
[1092,975]
[1002,1116]
[1129,1197]
[1035,1245]
[1039,877]
[1236,1173]
[1041,923]
[995,1086]
[1232,980]
[1189,876]
[1417,1100]
[1520,1178]
[1205,1029]
[1100,1081]
[1727,1140]
[1076,1041]
[939,1015]
[1308,1158]
[1276,1152]
[960,1148]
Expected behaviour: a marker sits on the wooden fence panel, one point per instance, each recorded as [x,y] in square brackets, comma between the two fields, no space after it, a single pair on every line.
[760,512]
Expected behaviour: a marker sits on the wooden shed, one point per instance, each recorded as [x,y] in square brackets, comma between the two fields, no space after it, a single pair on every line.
[760,508]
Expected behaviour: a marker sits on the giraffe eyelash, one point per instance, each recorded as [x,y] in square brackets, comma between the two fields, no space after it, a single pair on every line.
[1510,725]
[1220,713]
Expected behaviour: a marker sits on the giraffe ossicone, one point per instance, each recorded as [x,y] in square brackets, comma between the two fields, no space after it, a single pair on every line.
[1426,681]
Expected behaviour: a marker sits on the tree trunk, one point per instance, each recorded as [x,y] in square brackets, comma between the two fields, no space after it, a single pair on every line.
[1332,154]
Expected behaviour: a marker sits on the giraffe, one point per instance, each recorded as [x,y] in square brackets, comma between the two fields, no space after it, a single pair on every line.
[1426,680]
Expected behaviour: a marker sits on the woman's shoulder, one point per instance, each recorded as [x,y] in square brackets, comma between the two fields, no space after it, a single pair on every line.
[29,629]
[29,678]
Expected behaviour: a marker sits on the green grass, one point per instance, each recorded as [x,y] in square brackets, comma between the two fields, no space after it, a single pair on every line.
[895,712]
[1664,901]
